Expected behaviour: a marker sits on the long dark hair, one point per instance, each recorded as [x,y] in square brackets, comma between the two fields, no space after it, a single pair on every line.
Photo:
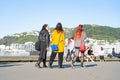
[80,28]
[59,27]
[44,27]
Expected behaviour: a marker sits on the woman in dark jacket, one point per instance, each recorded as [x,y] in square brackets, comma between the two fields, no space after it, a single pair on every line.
[44,39]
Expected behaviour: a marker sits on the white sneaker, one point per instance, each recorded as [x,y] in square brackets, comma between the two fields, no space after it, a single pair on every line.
[93,61]
[87,60]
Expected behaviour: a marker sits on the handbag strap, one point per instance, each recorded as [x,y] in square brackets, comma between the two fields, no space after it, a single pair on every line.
[59,37]
[81,42]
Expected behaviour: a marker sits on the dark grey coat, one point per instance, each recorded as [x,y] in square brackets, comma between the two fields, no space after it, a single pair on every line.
[44,39]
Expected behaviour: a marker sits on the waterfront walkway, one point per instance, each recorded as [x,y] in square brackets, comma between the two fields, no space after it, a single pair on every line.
[35,58]
[28,71]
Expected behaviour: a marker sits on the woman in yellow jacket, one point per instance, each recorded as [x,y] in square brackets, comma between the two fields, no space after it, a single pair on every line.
[58,37]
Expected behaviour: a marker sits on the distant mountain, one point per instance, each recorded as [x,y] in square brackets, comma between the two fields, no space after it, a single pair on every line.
[102,32]
[20,38]
[92,31]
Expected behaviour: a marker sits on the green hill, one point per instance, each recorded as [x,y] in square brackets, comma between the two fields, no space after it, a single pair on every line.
[93,31]
[7,40]
[102,32]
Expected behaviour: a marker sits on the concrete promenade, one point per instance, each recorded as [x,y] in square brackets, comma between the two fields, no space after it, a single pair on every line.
[35,58]
[28,71]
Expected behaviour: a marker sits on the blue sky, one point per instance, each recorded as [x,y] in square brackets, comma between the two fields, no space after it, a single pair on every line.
[17,16]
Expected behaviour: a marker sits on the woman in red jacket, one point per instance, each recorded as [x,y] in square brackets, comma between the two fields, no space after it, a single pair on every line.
[79,38]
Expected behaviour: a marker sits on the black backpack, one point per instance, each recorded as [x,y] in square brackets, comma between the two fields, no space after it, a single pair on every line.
[37,45]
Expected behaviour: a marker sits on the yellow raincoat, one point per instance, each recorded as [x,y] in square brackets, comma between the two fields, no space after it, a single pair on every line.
[56,37]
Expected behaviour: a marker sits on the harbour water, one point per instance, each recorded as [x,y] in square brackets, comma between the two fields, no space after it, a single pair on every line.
[107,48]
[5,53]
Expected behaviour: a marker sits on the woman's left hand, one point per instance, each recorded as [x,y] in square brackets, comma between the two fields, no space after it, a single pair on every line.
[47,48]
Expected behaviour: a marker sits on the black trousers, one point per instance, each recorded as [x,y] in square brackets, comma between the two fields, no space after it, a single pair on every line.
[40,59]
[43,53]
[102,57]
[60,58]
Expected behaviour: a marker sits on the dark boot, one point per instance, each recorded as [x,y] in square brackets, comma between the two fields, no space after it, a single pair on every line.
[82,65]
[36,64]
[39,61]
[82,59]
[52,57]
[60,61]
[50,65]
[44,63]
[60,66]
[39,65]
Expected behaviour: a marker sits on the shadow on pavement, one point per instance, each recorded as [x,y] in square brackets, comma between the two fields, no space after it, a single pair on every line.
[65,66]
[75,65]
[91,65]
[8,64]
